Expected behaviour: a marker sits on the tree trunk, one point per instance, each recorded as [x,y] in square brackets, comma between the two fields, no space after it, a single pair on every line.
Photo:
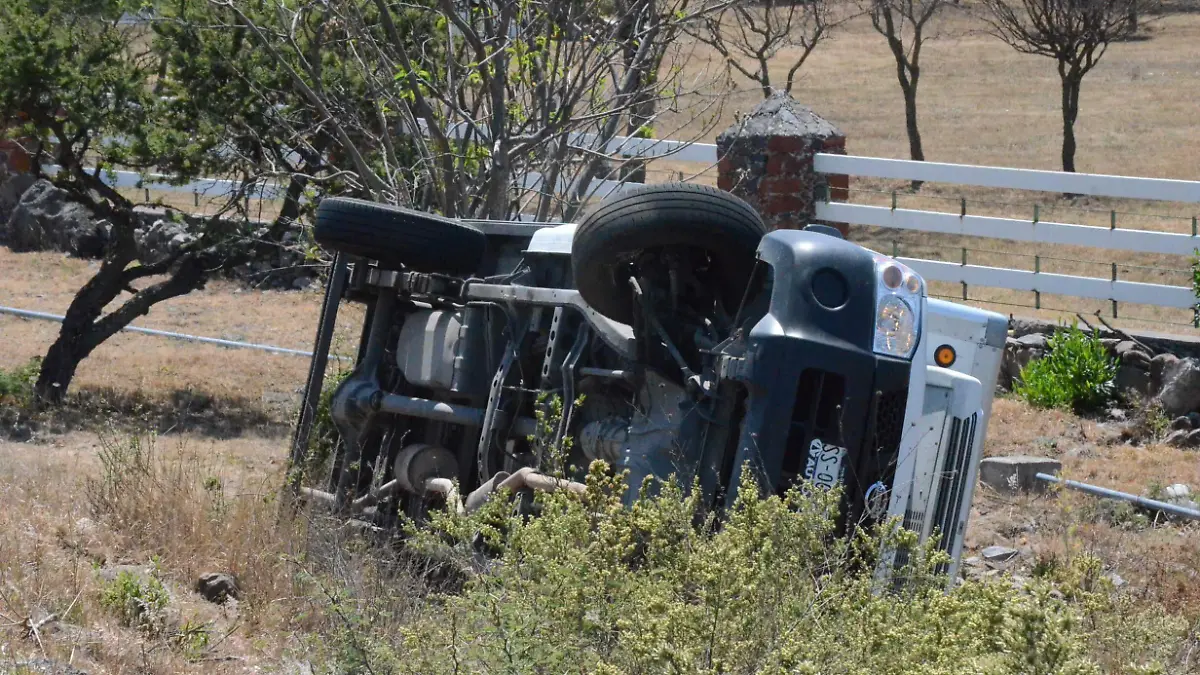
[1070,112]
[75,340]
[915,149]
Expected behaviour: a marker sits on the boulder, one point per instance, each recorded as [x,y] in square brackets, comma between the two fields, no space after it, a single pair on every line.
[217,587]
[1018,352]
[998,554]
[162,238]
[1130,352]
[1133,377]
[1177,438]
[1193,439]
[46,219]
[12,188]
[1180,392]
[1033,340]
[1159,366]
[1181,423]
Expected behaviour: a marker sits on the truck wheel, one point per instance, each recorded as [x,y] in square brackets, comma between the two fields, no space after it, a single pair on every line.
[397,236]
[664,216]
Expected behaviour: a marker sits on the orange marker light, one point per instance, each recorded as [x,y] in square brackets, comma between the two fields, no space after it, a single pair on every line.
[945,356]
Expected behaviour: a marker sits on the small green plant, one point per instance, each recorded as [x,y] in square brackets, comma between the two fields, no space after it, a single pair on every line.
[136,601]
[191,640]
[16,385]
[323,437]
[1076,374]
[553,453]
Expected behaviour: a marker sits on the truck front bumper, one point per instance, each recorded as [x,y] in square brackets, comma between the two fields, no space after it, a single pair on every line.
[823,411]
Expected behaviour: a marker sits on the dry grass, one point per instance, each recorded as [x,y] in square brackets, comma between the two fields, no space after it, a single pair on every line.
[1161,561]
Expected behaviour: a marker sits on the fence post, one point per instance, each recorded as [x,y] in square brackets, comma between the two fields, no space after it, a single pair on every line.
[1037,269]
[767,160]
[1114,278]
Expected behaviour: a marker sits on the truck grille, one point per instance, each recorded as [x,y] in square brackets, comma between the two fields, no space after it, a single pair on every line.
[889,423]
[952,479]
[816,414]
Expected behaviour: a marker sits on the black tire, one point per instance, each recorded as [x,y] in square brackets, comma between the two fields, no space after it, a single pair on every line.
[397,236]
[663,216]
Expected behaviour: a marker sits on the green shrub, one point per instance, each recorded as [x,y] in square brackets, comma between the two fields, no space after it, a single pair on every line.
[323,437]
[16,385]
[137,602]
[1076,374]
[590,586]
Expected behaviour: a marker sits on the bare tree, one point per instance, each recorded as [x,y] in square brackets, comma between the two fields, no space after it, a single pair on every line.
[904,24]
[1075,33]
[484,109]
[763,33]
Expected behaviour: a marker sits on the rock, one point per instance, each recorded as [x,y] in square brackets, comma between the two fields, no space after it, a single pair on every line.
[1034,340]
[1178,492]
[217,587]
[1116,579]
[1128,351]
[1016,474]
[1193,439]
[1133,377]
[998,554]
[38,667]
[47,220]
[1181,424]
[1022,327]
[12,189]
[1117,415]
[1194,418]
[301,283]
[1018,352]
[1159,365]
[1177,438]
[1110,343]
[1180,393]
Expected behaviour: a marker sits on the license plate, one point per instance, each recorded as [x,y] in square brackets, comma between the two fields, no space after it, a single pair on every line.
[825,463]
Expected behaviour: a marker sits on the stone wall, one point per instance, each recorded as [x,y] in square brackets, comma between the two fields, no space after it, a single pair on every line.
[36,216]
[1162,371]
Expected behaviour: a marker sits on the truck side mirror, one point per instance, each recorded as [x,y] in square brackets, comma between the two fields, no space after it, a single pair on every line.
[824,229]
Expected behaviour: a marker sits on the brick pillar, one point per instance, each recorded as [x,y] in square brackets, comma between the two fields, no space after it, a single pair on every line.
[767,160]
[13,158]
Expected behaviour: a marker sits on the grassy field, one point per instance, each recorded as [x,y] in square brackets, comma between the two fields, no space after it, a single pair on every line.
[223,414]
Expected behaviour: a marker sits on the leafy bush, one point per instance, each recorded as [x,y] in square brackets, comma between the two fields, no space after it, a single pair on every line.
[1076,374]
[136,602]
[323,437]
[16,385]
[589,586]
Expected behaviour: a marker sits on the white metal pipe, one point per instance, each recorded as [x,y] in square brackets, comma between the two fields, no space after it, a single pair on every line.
[30,314]
[1167,507]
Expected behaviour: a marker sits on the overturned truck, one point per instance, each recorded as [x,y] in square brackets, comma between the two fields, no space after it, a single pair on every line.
[701,344]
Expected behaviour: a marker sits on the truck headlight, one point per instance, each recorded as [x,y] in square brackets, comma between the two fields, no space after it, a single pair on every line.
[897,308]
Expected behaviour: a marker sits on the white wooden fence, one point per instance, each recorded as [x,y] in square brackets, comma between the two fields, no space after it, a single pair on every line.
[1031,231]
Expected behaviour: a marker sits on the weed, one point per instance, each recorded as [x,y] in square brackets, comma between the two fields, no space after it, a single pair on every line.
[16,385]
[1076,374]
[323,438]
[137,602]
[191,639]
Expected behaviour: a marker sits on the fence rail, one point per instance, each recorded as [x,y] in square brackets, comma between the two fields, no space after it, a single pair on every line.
[1033,231]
